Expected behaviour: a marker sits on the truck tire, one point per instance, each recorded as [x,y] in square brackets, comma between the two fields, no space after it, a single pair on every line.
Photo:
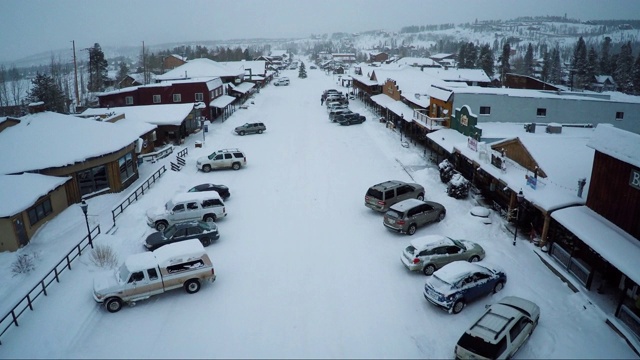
[206,168]
[113,304]
[192,286]
[209,218]
[236,166]
[161,225]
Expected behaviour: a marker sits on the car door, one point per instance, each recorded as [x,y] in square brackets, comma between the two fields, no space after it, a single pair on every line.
[228,160]
[139,284]
[179,235]
[218,161]
[439,257]
[455,253]
[471,288]
[430,213]
[179,213]
[403,192]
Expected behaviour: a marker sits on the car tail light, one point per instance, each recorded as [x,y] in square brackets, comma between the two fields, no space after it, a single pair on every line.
[380,202]
[400,222]
[416,260]
[224,210]
[213,272]
[245,159]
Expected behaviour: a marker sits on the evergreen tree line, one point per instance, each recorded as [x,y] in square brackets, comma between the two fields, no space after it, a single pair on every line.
[421,28]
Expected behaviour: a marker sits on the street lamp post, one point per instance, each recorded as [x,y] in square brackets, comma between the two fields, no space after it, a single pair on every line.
[401,126]
[84,206]
[520,198]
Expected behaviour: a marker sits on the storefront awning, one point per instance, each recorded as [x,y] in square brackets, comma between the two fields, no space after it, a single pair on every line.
[222,101]
[243,87]
[612,243]
[397,107]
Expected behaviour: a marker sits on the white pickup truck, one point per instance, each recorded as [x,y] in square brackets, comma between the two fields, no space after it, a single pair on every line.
[184,264]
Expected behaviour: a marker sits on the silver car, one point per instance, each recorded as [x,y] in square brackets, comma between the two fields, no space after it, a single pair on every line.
[430,253]
[251,128]
[408,215]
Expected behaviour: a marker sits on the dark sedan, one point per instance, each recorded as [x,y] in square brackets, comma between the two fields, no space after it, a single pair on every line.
[222,190]
[204,231]
[350,119]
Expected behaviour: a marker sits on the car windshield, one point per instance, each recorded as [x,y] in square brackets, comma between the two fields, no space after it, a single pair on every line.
[122,274]
[439,284]
[480,347]
[459,244]
[168,232]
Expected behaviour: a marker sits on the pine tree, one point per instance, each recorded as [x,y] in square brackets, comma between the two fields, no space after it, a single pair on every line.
[462,53]
[123,71]
[555,71]
[592,65]
[97,69]
[546,66]
[302,71]
[635,77]
[485,60]
[605,58]
[579,65]
[504,66]
[624,68]
[44,88]
[471,56]
[528,61]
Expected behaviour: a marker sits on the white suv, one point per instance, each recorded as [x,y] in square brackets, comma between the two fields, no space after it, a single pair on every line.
[222,159]
[500,331]
[282,81]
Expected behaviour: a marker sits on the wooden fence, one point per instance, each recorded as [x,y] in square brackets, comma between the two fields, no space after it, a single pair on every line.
[118,209]
[11,318]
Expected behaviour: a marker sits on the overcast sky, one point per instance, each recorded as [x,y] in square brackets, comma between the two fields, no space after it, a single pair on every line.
[29,27]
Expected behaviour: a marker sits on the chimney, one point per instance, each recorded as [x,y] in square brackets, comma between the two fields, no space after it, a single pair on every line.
[581,183]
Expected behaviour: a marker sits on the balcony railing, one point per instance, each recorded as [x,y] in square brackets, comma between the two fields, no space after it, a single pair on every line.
[428,122]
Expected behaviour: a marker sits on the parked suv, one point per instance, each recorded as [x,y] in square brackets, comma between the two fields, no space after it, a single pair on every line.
[408,215]
[500,331]
[222,159]
[350,119]
[381,196]
[281,81]
[250,128]
[333,114]
[207,206]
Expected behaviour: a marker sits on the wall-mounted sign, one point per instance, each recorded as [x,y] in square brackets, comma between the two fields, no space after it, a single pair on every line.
[472,143]
[464,120]
[532,181]
[634,180]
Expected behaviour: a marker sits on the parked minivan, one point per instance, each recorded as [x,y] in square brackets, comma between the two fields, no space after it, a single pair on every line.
[206,206]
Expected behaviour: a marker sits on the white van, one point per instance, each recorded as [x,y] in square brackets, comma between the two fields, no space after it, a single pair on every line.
[207,206]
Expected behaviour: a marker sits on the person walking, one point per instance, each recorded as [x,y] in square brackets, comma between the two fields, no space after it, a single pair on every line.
[321,100]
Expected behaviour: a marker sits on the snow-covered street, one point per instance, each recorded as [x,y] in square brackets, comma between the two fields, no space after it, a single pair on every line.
[304,269]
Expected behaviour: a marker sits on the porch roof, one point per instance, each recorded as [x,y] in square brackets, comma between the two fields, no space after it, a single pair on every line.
[397,107]
[222,101]
[612,243]
[24,190]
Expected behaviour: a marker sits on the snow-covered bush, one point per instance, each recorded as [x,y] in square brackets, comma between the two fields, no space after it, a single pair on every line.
[458,187]
[446,171]
[24,264]
[103,256]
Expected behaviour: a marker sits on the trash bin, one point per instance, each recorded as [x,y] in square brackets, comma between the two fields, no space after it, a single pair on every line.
[198,144]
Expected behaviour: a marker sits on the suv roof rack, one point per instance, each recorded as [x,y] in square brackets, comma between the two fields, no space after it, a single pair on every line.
[227,150]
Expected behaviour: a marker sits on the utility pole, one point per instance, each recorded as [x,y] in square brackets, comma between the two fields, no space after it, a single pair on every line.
[144,65]
[75,69]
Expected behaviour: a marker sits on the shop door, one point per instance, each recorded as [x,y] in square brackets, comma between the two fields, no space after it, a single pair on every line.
[20,231]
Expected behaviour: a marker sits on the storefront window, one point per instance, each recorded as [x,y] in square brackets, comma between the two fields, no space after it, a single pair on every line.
[92,180]
[40,211]
[126,167]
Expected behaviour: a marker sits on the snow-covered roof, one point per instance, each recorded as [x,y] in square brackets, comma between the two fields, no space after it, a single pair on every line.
[222,101]
[453,74]
[19,192]
[440,56]
[243,87]
[257,67]
[160,114]
[136,126]
[200,68]
[457,270]
[46,140]
[181,251]
[560,188]
[416,61]
[619,144]
[612,243]
[397,107]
